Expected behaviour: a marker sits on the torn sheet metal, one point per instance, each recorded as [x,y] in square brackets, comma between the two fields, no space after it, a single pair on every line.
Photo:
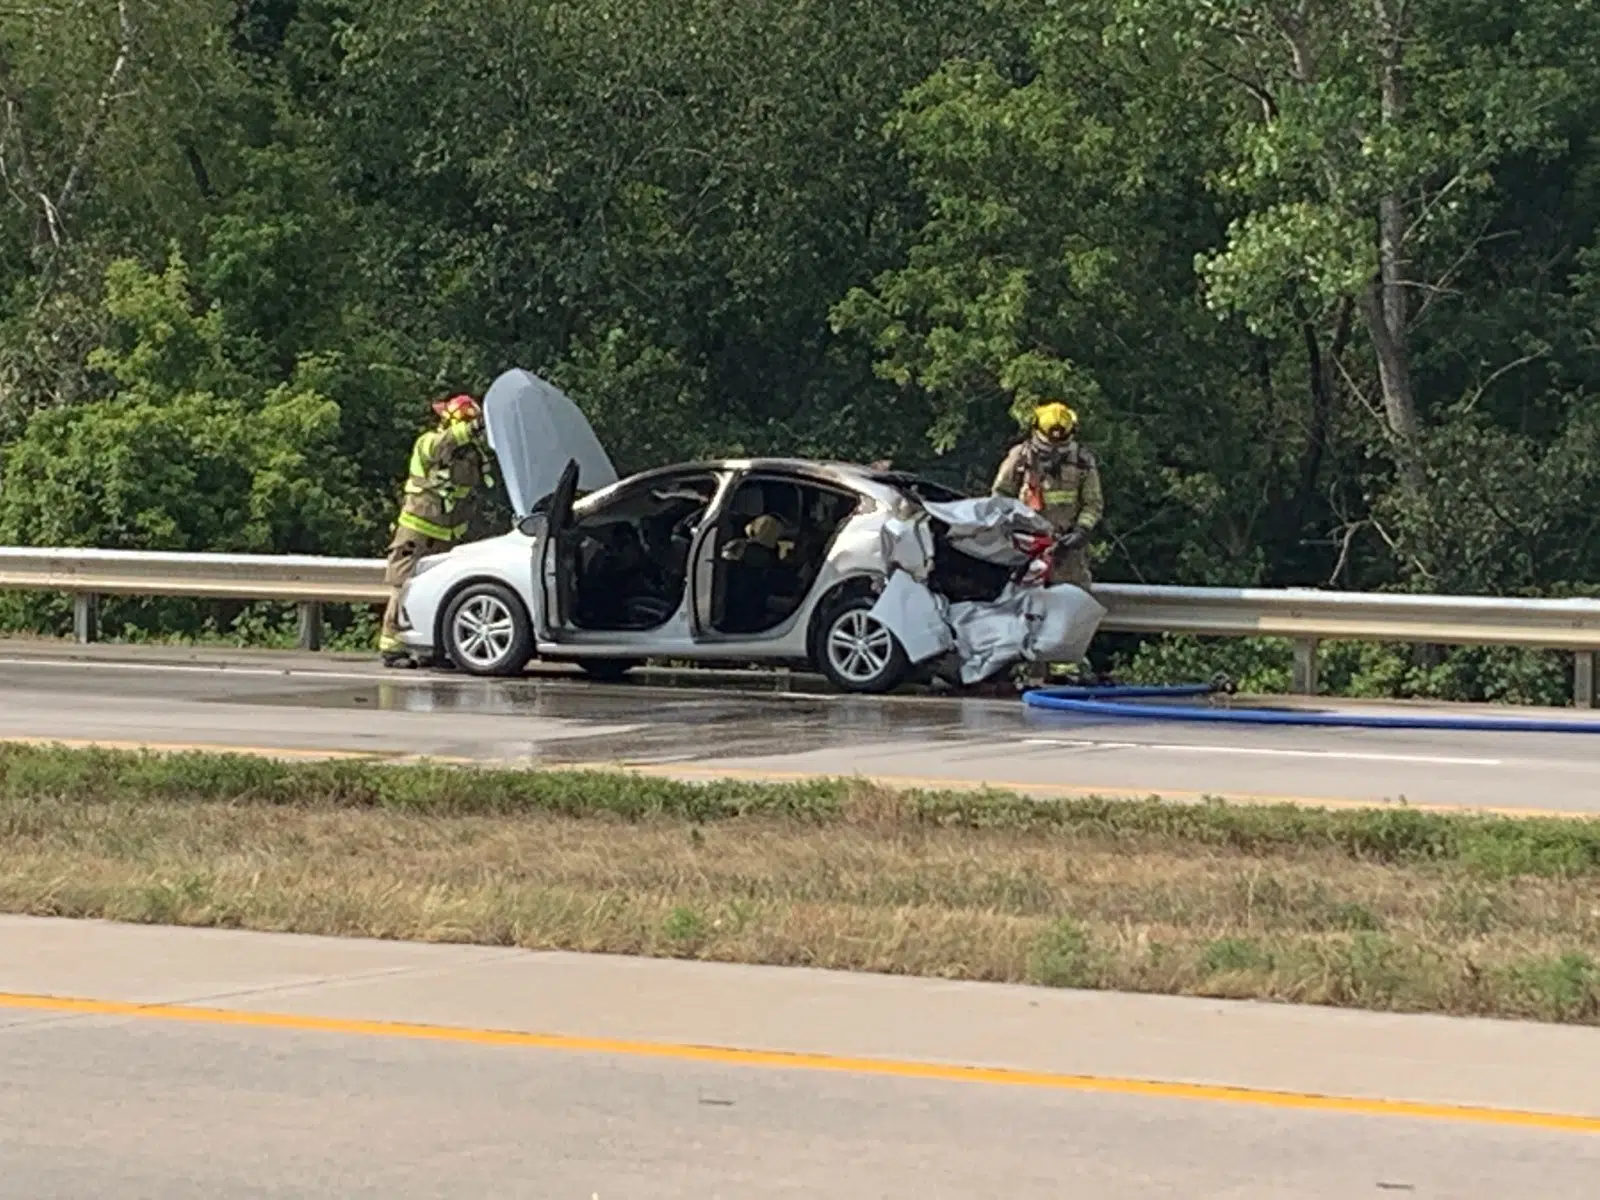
[985,527]
[1032,624]
[908,546]
[989,636]
[917,617]
[1049,624]
[1062,621]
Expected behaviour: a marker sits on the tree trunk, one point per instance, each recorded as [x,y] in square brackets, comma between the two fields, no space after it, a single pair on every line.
[1394,376]
[1384,307]
[1324,390]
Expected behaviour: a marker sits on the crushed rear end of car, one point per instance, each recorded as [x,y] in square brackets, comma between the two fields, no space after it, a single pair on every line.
[958,597]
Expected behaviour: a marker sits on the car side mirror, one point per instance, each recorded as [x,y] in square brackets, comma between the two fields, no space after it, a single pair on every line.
[532,525]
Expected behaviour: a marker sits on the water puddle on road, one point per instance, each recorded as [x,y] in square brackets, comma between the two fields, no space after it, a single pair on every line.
[670,722]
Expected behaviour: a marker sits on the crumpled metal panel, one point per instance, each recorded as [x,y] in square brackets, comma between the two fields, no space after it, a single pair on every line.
[908,546]
[1049,624]
[989,637]
[1063,620]
[916,616]
[984,527]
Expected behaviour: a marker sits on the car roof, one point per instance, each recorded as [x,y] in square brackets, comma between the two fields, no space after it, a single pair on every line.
[879,484]
[786,466]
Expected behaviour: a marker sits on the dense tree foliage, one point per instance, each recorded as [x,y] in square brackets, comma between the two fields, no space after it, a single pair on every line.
[1323,275]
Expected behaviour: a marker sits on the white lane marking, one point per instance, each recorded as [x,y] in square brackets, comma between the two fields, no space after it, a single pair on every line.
[1268,752]
[698,693]
[278,672]
[377,674]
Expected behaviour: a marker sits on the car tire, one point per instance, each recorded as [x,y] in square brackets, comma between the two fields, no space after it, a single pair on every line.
[486,631]
[607,670]
[856,653]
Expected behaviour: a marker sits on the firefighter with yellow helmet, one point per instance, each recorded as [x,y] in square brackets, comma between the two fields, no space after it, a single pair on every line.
[1055,474]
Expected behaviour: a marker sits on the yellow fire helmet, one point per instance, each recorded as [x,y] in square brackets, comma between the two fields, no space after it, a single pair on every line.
[1055,421]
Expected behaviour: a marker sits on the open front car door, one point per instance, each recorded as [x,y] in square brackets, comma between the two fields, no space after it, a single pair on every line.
[554,553]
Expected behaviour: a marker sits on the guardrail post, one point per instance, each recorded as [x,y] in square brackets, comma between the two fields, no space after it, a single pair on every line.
[310,625]
[85,617]
[1583,679]
[1305,666]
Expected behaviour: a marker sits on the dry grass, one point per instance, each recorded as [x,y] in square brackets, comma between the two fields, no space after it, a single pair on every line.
[1471,917]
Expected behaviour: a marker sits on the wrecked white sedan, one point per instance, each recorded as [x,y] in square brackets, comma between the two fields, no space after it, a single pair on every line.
[870,576]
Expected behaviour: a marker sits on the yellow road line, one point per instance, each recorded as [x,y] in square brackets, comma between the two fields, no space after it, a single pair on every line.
[303,752]
[783,1060]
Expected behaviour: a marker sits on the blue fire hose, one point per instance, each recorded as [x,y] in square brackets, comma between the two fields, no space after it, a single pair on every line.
[1124,702]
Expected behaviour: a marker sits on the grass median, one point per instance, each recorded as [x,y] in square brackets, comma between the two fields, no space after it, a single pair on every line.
[1384,909]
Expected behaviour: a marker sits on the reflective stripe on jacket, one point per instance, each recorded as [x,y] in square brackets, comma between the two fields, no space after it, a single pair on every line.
[1065,487]
[447,464]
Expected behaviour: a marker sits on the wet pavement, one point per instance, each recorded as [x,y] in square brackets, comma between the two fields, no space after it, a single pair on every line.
[672,724]
[572,721]
[327,704]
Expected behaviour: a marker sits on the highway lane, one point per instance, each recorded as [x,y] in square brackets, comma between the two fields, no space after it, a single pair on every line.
[322,703]
[151,1062]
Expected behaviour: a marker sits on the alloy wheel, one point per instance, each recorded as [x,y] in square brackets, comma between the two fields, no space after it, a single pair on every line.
[483,631]
[859,647]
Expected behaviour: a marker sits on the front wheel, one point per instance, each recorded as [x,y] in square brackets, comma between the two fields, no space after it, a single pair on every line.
[487,632]
[857,652]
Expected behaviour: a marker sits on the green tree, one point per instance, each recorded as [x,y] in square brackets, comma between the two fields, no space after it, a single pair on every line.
[658,203]
[188,451]
[1067,202]
[112,108]
[1348,181]
[1370,145]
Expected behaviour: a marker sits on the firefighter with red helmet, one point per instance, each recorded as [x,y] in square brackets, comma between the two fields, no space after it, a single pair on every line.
[448,463]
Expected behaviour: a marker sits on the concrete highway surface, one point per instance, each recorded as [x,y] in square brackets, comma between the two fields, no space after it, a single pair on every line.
[166,1063]
[142,1062]
[321,704]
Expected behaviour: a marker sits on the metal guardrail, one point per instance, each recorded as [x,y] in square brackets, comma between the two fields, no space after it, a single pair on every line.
[1307,617]
[304,580]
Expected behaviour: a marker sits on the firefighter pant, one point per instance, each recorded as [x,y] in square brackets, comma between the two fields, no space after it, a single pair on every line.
[404,551]
[1072,567]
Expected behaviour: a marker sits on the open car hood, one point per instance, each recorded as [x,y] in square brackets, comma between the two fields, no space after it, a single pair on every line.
[534,431]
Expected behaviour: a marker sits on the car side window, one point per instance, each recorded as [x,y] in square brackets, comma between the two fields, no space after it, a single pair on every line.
[772,542]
